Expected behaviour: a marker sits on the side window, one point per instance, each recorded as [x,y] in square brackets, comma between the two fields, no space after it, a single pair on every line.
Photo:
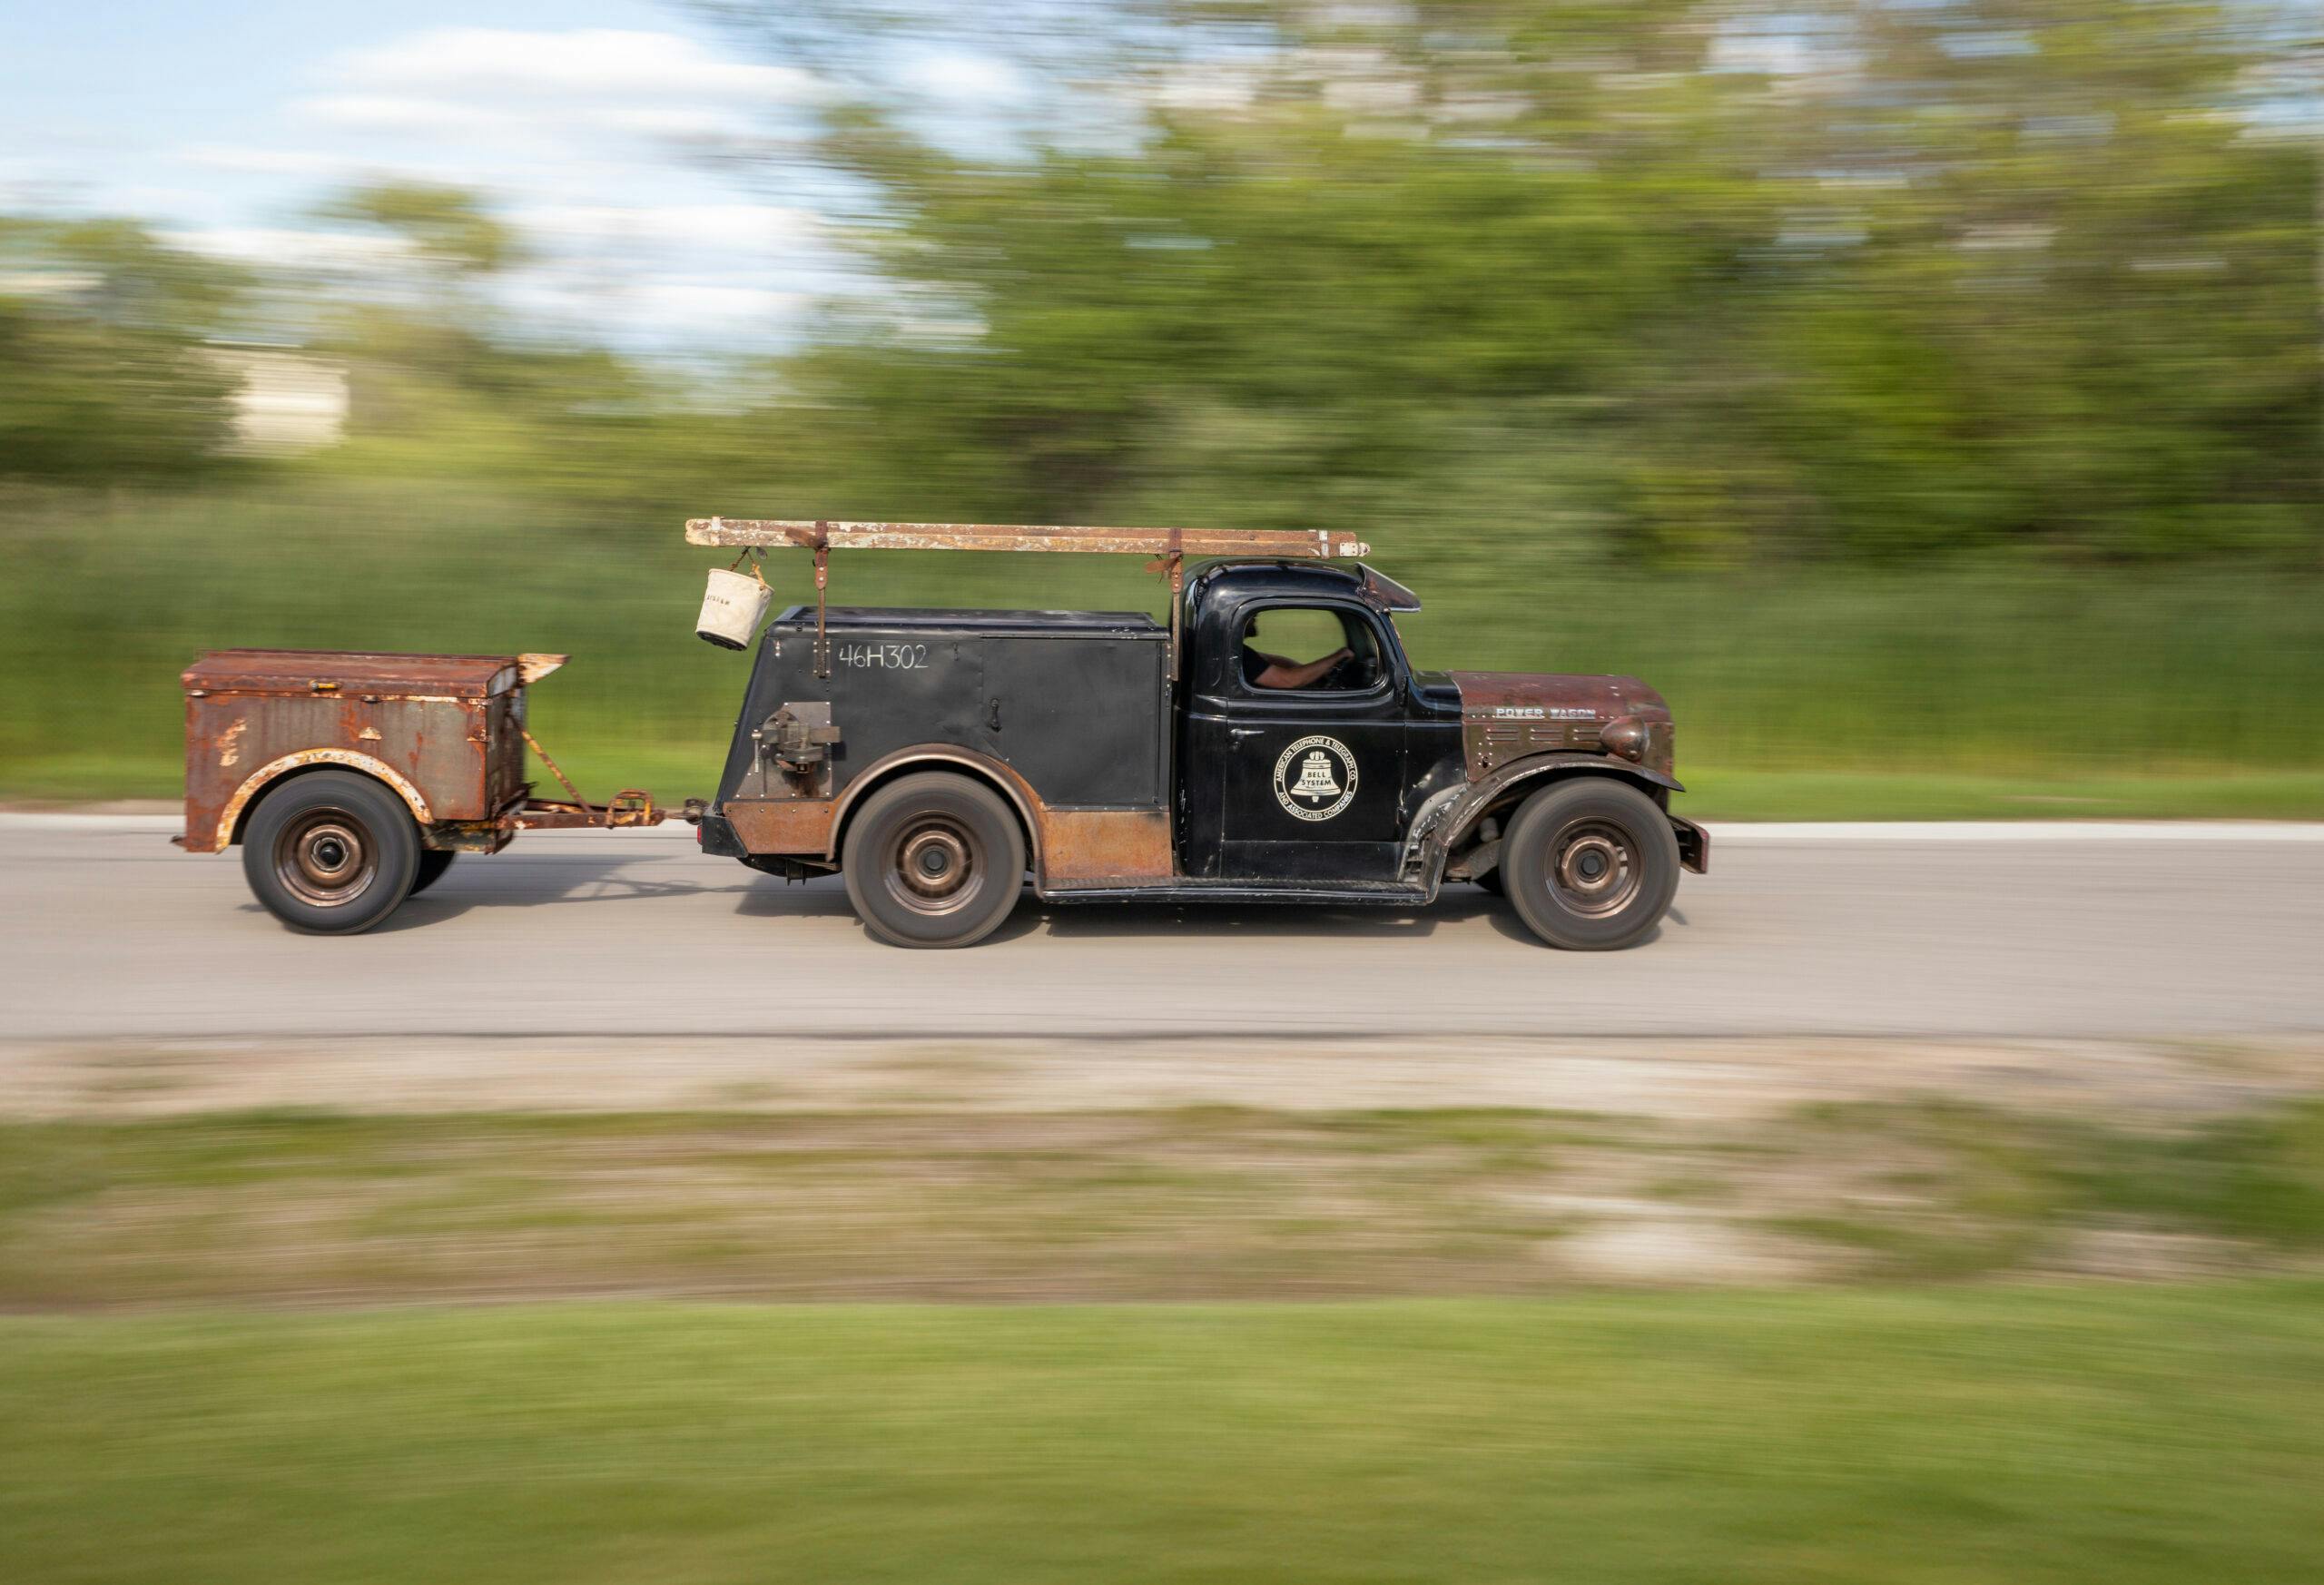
[1314,649]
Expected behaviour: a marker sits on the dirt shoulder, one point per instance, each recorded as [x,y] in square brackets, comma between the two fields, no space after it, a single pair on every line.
[1675,1081]
[383,1170]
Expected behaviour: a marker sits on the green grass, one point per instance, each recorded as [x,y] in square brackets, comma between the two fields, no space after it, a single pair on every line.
[2027,691]
[1863,1438]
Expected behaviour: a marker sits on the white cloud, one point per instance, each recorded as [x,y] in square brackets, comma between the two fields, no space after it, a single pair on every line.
[739,226]
[399,112]
[659,311]
[963,77]
[245,161]
[576,140]
[532,90]
[295,249]
[594,64]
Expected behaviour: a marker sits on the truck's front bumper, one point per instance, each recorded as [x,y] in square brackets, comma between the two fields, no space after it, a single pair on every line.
[1694,845]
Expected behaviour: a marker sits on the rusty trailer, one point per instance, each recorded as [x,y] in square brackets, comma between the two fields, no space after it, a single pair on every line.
[352,780]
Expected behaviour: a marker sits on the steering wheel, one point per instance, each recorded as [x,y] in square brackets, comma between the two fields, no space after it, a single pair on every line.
[1344,677]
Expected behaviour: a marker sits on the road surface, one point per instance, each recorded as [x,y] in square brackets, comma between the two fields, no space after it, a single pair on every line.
[1948,931]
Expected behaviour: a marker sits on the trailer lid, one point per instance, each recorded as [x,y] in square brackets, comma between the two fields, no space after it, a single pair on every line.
[312,671]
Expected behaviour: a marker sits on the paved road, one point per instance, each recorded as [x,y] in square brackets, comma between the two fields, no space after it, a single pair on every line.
[110,932]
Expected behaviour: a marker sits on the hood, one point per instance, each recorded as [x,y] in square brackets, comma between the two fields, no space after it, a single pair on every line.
[1508,716]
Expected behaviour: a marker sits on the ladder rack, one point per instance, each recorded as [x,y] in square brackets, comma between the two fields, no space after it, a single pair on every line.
[1169,546]
[760,533]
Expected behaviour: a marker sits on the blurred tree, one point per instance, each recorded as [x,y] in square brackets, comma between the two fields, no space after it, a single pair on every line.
[447,229]
[102,369]
[1691,283]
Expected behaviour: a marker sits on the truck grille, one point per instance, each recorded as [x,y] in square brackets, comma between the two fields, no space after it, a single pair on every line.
[1507,740]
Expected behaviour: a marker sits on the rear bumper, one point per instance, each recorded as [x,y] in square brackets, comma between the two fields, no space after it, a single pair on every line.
[716,834]
[1694,845]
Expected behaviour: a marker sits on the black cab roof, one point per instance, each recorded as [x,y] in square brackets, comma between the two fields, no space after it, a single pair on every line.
[1294,578]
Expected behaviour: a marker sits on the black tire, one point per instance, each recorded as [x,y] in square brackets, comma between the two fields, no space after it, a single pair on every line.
[1591,863]
[433,862]
[933,860]
[330,852]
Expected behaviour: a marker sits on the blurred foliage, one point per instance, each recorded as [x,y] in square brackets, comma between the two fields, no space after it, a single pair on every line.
[1956,278]
[446,228]
[102,369]
[1693,285]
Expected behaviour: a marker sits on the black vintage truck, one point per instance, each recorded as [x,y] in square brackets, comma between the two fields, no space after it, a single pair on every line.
[1270,742]
[933,757]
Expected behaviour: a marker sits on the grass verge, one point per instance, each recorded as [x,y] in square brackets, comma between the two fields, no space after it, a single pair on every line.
[1870,1437]
[1200,1203]
[2018,691]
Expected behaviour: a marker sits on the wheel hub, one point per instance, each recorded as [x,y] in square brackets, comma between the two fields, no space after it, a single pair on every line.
[1594,869]
[325,859]
[935,866]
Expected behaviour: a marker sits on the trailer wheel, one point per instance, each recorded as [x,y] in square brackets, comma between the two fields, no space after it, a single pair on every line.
[433,862]
[1591,864]
[935,859]
[330,852]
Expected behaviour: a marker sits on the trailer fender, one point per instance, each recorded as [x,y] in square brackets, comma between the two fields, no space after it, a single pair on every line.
[230,820]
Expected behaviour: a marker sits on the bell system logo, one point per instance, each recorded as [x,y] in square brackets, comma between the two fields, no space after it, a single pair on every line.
[1315,778]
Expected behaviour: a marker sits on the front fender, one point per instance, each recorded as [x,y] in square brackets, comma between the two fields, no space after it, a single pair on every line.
[1485,792]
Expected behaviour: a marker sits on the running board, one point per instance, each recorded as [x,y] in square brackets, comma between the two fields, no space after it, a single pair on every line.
[1345,893]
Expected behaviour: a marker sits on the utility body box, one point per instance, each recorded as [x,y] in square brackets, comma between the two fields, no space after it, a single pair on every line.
[1078,703]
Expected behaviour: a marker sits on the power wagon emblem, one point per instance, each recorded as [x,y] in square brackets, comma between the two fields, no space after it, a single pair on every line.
[1315,778]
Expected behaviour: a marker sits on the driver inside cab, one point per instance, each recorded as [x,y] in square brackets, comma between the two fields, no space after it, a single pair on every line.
[1275,671]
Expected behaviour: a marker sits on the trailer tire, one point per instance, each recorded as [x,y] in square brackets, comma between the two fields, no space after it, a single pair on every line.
[1591,864]
[433,862]
[330,852]
[933,860]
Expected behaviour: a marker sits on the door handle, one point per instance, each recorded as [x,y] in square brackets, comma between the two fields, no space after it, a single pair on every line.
[1237,734]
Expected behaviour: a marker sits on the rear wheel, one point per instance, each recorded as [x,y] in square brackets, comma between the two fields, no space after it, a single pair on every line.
[1591,864]
[935,859]
[330,852]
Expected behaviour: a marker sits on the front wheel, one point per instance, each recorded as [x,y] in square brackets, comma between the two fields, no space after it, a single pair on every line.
[330,852]
[1591,864]
[935,859]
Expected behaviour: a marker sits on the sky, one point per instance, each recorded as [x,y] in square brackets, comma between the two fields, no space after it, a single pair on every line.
[593,125]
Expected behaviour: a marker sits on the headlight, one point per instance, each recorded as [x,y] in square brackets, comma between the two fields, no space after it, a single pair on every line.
[1624,737]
